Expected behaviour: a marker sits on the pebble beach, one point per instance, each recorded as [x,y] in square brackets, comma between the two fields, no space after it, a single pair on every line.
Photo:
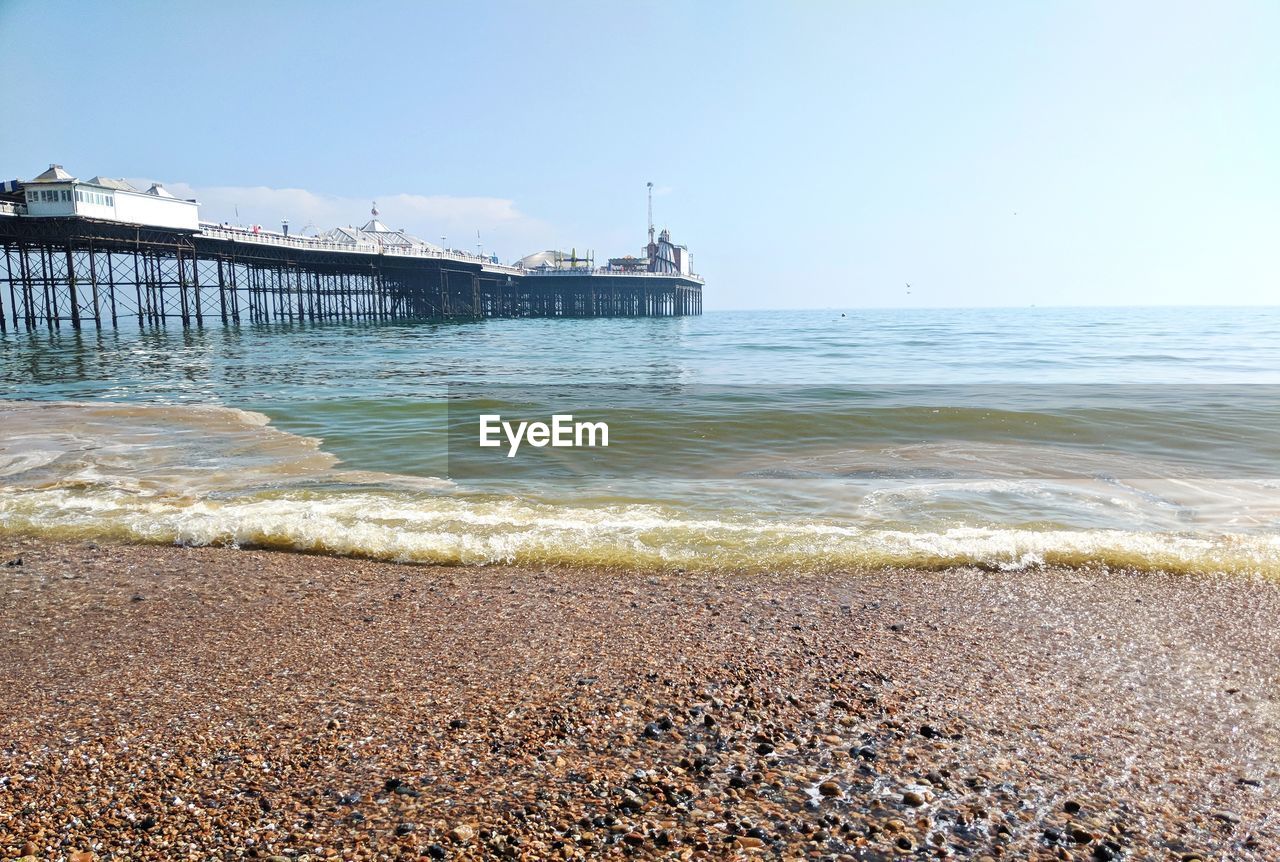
[208,703]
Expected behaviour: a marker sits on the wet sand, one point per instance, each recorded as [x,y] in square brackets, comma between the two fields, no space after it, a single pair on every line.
[173,703]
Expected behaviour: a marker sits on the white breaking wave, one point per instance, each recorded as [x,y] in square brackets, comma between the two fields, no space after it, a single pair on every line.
[421,528]
[221,476]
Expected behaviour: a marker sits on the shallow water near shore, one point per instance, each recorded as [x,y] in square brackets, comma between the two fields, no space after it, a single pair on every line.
[1137,438]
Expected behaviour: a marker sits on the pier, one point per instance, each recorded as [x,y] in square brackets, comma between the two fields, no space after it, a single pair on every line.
[84,272]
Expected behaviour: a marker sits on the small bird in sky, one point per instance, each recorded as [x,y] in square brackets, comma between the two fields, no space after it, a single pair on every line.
[908,287]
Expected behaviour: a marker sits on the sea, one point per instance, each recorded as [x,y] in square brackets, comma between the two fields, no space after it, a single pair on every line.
[816,440]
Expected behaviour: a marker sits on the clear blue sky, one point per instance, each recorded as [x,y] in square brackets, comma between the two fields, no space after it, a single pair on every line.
[810,153]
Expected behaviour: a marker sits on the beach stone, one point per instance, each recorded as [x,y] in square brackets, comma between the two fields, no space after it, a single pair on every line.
[913,799]
[81,856]
[435,851]
[829,788]
[1081,836]
[462,833]
[1227,816]
[749,842]
[29,849]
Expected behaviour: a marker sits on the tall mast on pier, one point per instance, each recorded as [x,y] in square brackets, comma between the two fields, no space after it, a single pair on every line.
[650,213]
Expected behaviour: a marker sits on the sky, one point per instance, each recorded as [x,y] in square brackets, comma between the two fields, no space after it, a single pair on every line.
[810,154]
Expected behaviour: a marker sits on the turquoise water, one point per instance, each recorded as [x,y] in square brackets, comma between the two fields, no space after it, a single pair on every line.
[819,439]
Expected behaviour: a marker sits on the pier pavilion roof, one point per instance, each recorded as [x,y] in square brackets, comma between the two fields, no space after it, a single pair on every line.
[109,183]
[552,259]
[376,233]
[55,174]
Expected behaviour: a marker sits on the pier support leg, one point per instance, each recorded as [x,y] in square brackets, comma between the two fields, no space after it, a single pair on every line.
[195,288]
[93,284]
[222,293]
[28,289]
[184,305]
[50,291]
[137,287]
[8,277]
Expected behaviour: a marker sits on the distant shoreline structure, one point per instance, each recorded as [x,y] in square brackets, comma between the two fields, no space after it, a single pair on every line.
[64,240]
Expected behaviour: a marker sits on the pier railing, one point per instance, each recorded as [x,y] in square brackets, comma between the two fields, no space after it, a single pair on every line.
[307,243]
[274,238]
[604,270]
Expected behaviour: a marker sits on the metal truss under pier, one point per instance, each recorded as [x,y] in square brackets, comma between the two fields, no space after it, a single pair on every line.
[81,272]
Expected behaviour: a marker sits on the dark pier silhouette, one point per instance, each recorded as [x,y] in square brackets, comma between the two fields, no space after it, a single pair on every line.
[84,272]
